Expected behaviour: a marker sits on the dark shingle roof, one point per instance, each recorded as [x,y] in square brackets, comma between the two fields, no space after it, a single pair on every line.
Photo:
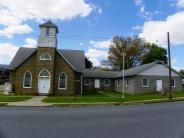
[139,69]
[136,70]
[99,74]
[21,55]
[49,24]
[74,57]
[128,72]
[3,66]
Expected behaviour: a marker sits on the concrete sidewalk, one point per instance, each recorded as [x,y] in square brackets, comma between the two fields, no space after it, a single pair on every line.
[35,101]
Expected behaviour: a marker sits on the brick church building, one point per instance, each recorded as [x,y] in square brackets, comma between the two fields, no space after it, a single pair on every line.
[47,70]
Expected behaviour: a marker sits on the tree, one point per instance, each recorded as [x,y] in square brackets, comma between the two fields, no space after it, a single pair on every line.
[88,63]
[137,51]
[182,71]
[155,54]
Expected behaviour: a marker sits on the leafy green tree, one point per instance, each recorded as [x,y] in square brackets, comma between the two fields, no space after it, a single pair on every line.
[182,71]
[155,54]
[137,51]
[88,63]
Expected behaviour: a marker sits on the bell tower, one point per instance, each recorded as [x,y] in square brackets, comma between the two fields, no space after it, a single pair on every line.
[47,44]
[48,35]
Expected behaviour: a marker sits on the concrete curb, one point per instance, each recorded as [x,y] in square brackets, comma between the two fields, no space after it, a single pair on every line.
[119,103]
[99,103]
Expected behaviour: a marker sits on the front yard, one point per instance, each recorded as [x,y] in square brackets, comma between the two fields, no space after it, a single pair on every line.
[107,97]
[13,98]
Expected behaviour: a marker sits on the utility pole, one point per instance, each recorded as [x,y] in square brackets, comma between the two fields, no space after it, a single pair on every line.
[123,91]
[169,61]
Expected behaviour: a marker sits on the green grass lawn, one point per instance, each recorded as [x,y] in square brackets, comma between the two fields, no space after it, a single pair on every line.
[12,98]
[108,96]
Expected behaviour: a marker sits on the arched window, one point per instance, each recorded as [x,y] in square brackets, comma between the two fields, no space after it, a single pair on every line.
[62,81]
[44,73]
[45,56]
[27,80]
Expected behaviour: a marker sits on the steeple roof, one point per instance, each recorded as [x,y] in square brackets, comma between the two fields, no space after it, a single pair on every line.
[49,24]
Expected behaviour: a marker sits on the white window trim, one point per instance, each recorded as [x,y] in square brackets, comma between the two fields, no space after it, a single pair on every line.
[86,83]
[145,86]
[117,82]
[24,80]
[59,82]
[174,84]
[45,59]
[108,82]
[44,76]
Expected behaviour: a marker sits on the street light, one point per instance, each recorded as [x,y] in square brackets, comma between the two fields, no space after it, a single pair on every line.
[123,74]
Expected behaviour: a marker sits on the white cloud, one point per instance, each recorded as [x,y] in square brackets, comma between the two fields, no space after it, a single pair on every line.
[180,3]
[8,50]
[100,10]
[81,43]
[138,2]
[101,44]
[96,55]
[156,30]
[30,42]
[15,29]
[14,13]
[137,27]
[98,51]
[142,10]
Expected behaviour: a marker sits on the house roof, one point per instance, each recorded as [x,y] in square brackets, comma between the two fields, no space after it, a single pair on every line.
[139,69]
[99,74]
[128,72]
[74,58]
[49,24]
[3,66]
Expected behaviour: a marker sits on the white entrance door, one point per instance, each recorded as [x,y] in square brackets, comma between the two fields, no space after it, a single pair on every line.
[44,85]
[159,85]
[97,83]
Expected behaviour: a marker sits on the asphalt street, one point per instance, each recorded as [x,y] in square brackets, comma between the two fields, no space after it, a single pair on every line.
[164,120]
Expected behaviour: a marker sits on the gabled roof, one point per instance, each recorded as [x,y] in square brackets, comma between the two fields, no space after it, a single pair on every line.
[49,24]
[74,58]
[99,74]
[21,55]
[128,72]
[139,69]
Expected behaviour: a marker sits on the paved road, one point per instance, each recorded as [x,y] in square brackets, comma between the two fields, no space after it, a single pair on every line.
[135,121]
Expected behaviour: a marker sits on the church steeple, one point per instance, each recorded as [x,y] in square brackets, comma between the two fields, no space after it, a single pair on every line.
[48,35]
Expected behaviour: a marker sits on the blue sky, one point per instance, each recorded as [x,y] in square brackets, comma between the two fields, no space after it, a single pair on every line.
[89,25]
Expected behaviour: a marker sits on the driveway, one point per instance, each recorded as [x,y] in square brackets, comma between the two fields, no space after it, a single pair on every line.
[164,120]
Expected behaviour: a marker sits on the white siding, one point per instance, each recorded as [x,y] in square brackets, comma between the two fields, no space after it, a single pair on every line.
[158,70]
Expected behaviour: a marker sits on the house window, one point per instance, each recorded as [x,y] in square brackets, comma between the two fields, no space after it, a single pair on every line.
[45,56]
[62,81]
[47,31]
[173,83]
[86,82]
[145,83]
[127,82]
[27,80]
[106,82]
[118,82]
